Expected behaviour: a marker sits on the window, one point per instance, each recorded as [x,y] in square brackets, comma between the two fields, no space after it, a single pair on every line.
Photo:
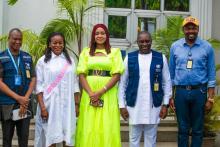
[146,24]
[177,5]
[147,4]
[125,18]
[117,26]
[118,3]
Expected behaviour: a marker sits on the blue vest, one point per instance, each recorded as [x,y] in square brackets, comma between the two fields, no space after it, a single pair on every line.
[9,72]
[133,78]
[123,54]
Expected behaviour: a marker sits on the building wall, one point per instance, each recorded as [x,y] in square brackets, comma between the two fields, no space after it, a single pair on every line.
[27,14]
[202,9]
[34,14]
[216,28]
[216,20]
[1,16]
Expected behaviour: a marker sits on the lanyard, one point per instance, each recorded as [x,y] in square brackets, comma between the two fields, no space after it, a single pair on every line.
[13,61]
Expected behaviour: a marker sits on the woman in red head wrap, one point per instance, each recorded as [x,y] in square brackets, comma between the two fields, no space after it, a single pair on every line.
[93,43]
[99,69]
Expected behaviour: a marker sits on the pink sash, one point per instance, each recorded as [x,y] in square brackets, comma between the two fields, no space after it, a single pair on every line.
[58,79]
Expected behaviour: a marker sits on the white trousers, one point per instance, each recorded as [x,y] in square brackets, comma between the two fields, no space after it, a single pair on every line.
[150,135]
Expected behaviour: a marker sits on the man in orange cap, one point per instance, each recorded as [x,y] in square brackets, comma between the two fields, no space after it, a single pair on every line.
[192,69]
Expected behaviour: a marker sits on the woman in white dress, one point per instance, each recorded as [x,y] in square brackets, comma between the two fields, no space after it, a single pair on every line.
[58,95]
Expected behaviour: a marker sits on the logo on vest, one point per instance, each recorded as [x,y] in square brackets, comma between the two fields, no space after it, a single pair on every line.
[27,57]
[158,68]
[27,66]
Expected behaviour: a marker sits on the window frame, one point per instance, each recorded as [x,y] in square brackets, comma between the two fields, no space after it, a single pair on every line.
[132,20]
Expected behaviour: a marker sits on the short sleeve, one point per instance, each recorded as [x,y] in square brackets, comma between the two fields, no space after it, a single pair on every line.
[117,61]
[76,79]
[82,65]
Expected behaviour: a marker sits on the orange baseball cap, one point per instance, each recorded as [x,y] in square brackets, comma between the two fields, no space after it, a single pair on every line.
[190,19]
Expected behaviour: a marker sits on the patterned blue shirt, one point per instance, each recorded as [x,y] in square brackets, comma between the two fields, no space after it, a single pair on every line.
[203,67]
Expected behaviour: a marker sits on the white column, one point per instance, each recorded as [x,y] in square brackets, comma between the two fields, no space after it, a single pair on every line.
[216,20]
[202,9]
[1,17]
[94,16]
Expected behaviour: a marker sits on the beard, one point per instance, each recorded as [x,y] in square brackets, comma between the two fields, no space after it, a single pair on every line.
[191,37]
[144,50]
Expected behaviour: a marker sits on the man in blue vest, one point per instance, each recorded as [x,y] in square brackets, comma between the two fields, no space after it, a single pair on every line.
[192,70]
[17,81]
[144,91]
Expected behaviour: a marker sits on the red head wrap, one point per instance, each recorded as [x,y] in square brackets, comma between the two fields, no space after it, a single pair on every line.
[93,43]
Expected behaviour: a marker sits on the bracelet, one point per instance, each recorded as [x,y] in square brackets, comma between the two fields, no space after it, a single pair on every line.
[105,88]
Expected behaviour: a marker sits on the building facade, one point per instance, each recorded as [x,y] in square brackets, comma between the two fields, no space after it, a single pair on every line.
[124,18]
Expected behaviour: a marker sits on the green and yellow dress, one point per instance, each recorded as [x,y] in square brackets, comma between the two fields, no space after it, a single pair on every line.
[99,126]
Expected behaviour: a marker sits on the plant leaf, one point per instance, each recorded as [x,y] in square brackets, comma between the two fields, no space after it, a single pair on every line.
[12,2]
[63,26]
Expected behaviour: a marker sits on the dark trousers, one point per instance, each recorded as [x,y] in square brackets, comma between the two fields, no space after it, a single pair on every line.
[190,115]
[22,128]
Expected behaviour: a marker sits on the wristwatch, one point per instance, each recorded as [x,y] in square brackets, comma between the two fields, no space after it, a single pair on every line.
[166,105]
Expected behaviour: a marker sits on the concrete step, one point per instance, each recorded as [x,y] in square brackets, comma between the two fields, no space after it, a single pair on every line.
[15,143]
[167,132]
[164,134]
[124,144]
[207,142]
[163,123]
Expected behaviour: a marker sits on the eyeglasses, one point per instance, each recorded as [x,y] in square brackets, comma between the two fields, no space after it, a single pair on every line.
[144,41]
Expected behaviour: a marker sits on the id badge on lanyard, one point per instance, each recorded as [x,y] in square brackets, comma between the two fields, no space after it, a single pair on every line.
[189,64]
[17,80]
[28,68]
[17,77]
[28,74]
[156,83]
[156,86]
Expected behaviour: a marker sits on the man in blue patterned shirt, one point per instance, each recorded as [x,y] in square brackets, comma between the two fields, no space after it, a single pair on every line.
[192,69]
